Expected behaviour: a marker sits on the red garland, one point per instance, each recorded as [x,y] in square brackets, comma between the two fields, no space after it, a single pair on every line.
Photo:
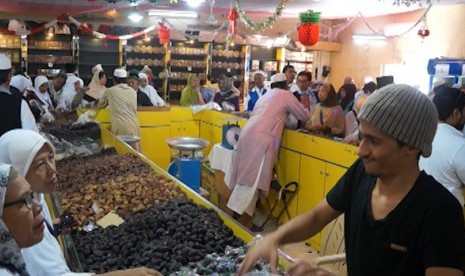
[163,33]
[232,17]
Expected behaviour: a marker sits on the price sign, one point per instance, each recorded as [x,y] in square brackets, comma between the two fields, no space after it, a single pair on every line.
[442,69]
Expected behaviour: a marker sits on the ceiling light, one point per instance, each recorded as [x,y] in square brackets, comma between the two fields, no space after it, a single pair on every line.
[172,13]
[135,16]
[194,3]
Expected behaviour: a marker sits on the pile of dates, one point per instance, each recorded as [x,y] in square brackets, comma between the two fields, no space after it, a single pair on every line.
[123,194]
[75,133]
[78,171]
[225,264]
[165,238]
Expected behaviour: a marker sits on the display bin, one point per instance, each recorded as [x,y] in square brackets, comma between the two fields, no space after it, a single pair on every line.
[110,140]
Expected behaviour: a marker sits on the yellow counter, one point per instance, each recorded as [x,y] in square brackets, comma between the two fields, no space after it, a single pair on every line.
[316,163]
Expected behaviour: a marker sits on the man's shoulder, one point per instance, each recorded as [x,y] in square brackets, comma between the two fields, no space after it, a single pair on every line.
[433,192]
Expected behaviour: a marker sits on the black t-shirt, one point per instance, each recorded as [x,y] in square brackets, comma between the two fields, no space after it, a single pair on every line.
[143,99]
[426,229]
[10,112]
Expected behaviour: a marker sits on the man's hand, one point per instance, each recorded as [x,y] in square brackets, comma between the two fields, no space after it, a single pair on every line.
[266,249]
[301,267]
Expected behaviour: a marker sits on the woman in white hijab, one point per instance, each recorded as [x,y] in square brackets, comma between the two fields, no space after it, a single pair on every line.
[89,98]
[34,157]
[72,86]
[21,221]
[149,90]
[40,93]
[21,83]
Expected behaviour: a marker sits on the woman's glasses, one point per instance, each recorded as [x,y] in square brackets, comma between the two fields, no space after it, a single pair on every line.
[28,200]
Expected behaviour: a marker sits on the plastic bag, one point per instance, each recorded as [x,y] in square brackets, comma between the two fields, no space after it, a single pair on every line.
[85,118]
[46,116]
[228,106]
[211,105]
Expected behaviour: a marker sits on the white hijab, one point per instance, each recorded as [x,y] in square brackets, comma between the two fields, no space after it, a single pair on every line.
[20,82]
[10,253]
[69,92]
[18,147]
[96,89]
[43,97]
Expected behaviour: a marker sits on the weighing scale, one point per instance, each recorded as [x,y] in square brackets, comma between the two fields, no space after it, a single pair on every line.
[231,132]
[187,169]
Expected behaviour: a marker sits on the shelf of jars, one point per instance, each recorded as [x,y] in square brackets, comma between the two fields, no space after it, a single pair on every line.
[10,45]
[227,61]
[46,52]
[302,61]
[185,59]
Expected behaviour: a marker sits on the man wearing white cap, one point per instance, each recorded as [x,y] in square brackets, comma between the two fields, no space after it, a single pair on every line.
[259,90]
[122,102]
[149,90]
[14,111]
[258,146]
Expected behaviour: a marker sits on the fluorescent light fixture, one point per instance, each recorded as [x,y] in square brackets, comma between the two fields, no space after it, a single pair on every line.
[135,16]
[173,14]
[194,3]
[281,41]
[368,37]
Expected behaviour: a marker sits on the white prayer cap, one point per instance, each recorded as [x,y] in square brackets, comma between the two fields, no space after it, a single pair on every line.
[5,62]
[143,76]
[439,82]
[120,73]
[279,77]
[260,72]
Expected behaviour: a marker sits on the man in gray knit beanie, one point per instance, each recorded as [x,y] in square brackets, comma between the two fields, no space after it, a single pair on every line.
[398,220]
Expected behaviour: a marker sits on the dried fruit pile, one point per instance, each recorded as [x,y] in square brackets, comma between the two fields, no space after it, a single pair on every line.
[76,134]
[165,238]
[124,195]
[78,171]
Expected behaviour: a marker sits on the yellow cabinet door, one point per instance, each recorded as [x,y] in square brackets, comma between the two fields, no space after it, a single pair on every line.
[206,132]
[154,146]
[190,128]
[176,129]
[333,174]
[288,169]
[311,189]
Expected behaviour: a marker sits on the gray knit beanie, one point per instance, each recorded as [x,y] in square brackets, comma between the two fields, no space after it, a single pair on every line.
[404,113]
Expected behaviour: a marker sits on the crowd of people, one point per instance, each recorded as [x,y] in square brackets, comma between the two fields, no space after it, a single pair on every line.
[402,200]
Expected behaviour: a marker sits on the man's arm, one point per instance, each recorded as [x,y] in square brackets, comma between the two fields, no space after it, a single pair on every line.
[298,229]
[103,102]
[443,271]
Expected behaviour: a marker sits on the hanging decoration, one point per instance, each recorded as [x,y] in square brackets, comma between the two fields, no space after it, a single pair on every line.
[309,28]
[424,31]
[232,17]
[267,24]
[164,34]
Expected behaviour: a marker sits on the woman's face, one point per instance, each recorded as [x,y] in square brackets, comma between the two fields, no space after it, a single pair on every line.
[322,93]
[103,80]
[143,83]
[43,88]
[42,172]
[195,82]
[26,223]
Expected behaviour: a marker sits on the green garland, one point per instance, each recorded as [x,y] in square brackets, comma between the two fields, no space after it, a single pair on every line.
[268,23]
[309,17]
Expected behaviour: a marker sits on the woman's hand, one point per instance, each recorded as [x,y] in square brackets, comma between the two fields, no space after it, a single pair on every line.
[301,267]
